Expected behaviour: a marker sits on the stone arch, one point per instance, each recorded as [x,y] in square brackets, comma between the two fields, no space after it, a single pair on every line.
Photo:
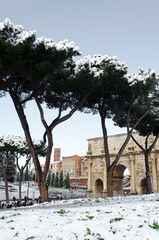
[118,175]
[143,186]
[98,187]
[119,170]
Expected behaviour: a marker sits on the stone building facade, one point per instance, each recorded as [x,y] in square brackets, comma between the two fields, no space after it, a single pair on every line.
[71,165]
[132,159]
[56,164]
[56,167]
[76,166]
[57,154]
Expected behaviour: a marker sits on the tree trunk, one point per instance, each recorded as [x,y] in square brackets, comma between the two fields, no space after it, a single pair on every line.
[25,126]
[110,167]
[129,133]
[121,151]
[107,157]
[148,178]
[114,163]
[20,187]
[49,128]
[43,191]
[146,152]
[110,183]
[6,184]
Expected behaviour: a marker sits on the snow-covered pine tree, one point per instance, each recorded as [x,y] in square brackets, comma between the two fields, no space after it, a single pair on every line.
[48,178]
[67,181]
[52,183]
[56,180]
[61,179]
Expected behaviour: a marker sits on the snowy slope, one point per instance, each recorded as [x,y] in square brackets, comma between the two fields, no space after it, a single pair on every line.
[133,217]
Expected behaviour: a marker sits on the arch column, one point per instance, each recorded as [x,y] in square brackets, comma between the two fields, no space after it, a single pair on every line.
[157,169]
[89,189]
[133,182]
[104,192]
[154,175]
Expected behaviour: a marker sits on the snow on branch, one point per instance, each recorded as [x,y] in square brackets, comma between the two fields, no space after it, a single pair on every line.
[15,141]
[98,63]
[17,35]
[142,75]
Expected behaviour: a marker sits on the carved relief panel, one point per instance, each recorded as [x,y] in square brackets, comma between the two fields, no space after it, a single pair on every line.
[98,169]
[140,169]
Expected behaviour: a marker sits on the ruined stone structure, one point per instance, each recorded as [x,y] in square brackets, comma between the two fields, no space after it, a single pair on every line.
[132,159]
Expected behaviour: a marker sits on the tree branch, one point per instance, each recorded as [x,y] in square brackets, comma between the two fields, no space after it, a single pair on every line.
[143,116]
[129,132]
[153,144]
[140,146]
[27,99]
[49,136]
[128,118]
[67,116]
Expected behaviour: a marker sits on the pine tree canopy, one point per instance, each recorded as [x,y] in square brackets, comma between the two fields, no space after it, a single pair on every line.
[139,99]
[28,63]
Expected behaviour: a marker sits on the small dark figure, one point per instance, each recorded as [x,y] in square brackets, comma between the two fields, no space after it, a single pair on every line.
[39,200]
[30,203]
[14,199]
[18,204]
[14,203]
[9,206]
[26,200]
[3,206]
[24,204]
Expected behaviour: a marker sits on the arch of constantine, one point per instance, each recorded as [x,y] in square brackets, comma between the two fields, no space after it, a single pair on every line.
[132,159]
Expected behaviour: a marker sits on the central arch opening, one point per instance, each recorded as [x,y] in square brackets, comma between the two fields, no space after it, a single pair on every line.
[121,180]
[98,187]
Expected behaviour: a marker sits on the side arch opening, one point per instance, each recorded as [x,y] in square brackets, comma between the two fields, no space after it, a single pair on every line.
[143,186]
[98,188]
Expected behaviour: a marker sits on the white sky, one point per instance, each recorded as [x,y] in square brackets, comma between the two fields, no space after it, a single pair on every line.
[127,29]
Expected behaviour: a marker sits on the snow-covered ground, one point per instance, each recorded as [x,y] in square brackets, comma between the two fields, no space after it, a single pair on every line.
[33,192]
[13,189]
[131,217]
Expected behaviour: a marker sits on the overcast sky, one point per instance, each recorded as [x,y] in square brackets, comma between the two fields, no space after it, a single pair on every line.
[127,29]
